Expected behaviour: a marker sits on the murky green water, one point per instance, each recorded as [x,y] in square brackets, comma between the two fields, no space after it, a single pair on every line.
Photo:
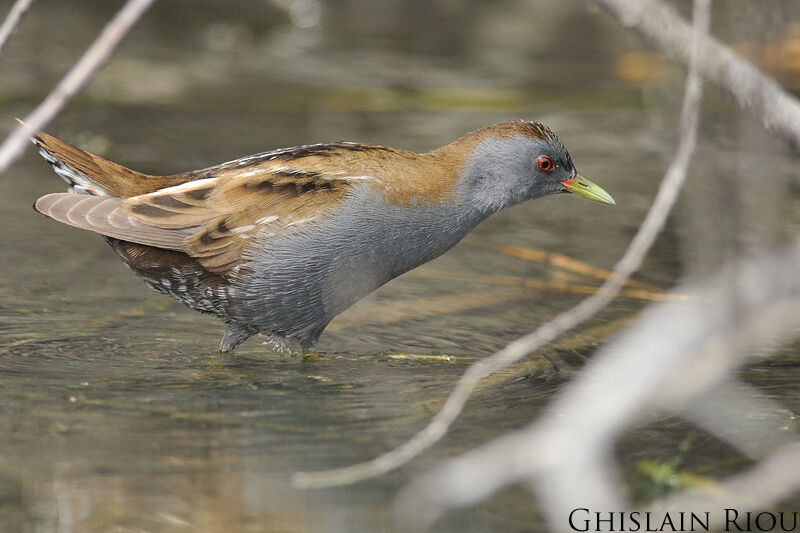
[117,414]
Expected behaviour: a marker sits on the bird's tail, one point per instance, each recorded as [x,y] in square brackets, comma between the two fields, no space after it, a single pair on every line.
[87,173]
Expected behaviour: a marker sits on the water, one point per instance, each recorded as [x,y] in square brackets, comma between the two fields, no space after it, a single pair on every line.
[118,414]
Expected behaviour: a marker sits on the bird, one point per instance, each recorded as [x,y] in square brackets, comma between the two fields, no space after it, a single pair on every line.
[280,242]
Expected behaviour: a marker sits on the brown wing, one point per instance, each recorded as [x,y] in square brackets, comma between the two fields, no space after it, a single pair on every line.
[102,214]
[212,219]
[213,214]
[224,214]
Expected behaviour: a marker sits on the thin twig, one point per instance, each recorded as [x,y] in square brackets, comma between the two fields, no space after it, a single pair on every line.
[630,262]
[12,20]
[78,76]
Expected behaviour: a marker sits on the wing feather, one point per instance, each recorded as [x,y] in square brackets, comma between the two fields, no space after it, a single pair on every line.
[96,213]
[226,213]
[214,214]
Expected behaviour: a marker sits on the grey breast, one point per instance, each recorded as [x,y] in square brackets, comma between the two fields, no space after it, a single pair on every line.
[305,276]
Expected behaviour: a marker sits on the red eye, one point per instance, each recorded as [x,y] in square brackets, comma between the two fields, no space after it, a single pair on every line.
[544,163]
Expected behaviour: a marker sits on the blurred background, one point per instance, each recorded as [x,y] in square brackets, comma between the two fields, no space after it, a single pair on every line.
[119,415]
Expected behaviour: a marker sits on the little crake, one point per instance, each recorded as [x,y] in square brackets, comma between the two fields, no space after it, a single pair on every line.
[281,242]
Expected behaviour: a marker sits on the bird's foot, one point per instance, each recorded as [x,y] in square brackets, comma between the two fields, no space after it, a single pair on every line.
[311,356]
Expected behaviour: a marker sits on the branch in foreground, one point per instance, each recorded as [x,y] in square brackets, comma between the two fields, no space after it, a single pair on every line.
[12,20]
[689,348]
[627,265]
[752,89]
[78,76]
[719,410]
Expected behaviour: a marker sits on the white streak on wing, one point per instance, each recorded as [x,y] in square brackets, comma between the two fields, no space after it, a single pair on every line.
[343,175]
[183,187]
[250,173]
[242,229]
[266,219]
[299,221]
[244,160]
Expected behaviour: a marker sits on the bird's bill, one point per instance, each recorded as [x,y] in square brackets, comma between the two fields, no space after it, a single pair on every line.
[588,189]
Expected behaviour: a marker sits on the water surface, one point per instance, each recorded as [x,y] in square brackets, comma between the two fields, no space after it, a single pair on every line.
[117,412]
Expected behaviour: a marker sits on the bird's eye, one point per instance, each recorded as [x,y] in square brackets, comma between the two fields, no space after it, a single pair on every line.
[544,163]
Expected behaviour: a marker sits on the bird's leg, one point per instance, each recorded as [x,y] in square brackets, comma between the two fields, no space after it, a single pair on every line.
[234,335]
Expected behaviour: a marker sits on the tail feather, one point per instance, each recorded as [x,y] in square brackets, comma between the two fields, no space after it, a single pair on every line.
[88,173]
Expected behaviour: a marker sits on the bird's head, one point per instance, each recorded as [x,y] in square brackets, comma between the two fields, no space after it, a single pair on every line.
[516,161]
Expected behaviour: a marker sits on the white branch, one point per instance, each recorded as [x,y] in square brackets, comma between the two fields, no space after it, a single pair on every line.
[94,57]
[12,20]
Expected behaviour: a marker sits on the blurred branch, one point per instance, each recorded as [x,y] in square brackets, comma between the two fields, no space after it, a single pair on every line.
[78,76]
[12,20]
[719,411]
[677,351]
[752,89]
[627,265]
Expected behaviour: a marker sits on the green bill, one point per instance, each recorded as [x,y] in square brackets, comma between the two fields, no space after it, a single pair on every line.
[588,189]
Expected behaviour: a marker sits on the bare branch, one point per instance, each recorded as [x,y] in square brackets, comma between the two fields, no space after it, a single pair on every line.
[687,346]
[94,57]
[12,20]
[719,410]
[630,262]
[751,88]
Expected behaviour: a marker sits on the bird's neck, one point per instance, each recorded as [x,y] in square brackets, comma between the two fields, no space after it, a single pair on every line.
[443,179]
[448,167]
